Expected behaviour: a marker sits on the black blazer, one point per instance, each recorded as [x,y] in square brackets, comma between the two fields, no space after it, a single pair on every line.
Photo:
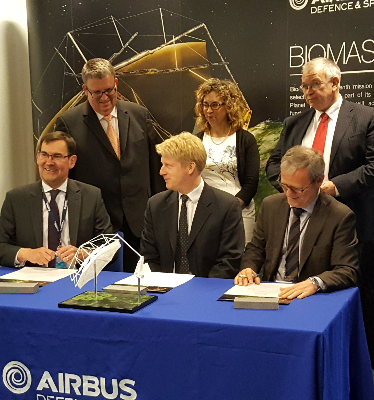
[216,240]
[126,184]
[21,219]
[329,248]
[351,162]
[248,159]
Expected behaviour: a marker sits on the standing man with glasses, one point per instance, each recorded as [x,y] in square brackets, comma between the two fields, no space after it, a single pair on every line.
[116,151]
[344,133]
[53,216]
[302,236]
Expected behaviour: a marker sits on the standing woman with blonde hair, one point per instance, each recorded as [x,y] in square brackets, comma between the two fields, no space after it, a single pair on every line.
[233,159]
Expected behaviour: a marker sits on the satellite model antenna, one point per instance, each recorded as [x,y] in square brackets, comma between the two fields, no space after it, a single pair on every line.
[92,257]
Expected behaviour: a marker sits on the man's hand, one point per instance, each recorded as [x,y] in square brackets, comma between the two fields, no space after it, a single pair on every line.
[329,188]
[245,277]
[67,253]
[39,256]
[300,290]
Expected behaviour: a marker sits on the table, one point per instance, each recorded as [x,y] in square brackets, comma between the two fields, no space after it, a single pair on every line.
[186,345]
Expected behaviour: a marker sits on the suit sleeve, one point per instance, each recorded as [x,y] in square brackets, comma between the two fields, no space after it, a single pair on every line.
[102,219]
[344,257]
[8,247]
[148,245]
[61,125]
[231,246]
[251,159]
[255,251]
[358,180]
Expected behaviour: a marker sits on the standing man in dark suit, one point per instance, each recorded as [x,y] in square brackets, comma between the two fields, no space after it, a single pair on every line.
[348,151]
[30,231]
[303,235]
[116,151]
[192,227]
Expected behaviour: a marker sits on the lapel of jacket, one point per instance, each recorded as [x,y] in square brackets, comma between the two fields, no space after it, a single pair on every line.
[91,120]
[201,214]
[280,218]
[74,207]
[123,126]
[170,213]
[315,226]
[345,116]
[36,212]
[300,128]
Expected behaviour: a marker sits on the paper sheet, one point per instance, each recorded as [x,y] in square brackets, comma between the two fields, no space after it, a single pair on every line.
[264,289]
[161,279]
[39,274]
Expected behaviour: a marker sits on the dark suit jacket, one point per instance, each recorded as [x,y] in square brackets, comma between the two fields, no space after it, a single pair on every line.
[351,162]
[329,248]
[126,184]
[216,239]
[21,219]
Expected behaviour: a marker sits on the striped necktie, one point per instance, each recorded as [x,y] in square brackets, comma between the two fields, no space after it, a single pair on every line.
[181,260]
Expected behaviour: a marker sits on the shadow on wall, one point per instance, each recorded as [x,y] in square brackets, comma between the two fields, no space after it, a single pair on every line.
[17,156]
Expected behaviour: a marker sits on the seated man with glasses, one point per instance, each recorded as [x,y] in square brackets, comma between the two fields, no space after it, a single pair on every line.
[54,216]
[303,235]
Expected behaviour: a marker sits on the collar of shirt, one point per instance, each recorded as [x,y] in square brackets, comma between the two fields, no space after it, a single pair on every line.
[332,112]
[194,196]
[113,114]
[62,188]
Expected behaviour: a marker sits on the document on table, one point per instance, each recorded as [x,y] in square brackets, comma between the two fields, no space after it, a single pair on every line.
[38,274]
[157,279]
[264,289]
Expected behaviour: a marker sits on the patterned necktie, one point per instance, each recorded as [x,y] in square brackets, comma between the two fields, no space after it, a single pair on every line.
[320,138]
[112,135]
[181,260]
[53,234]
[292,258]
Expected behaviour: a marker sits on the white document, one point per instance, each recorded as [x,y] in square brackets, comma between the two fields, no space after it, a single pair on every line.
[266,289]
[38,274]
[160,279]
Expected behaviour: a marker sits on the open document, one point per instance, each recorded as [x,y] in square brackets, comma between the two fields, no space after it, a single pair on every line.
[264,289]
[37,274]
[157,281]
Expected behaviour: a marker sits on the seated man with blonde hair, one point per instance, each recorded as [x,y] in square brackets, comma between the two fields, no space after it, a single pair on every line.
[192,227]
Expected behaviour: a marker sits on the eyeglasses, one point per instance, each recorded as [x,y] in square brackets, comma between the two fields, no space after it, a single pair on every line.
[295,190]
[57,157]
[313,86]
[214,106]
[98,94]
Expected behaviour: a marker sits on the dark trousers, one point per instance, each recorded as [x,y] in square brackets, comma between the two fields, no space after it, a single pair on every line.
[130,259]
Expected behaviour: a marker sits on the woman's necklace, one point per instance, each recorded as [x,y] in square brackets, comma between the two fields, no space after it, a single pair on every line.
[222,141]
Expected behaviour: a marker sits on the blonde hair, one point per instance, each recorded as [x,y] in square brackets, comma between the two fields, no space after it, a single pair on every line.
[231,95]
[185,148]
[97,68]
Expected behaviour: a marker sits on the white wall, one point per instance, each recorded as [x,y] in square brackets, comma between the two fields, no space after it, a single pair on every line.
[16,142]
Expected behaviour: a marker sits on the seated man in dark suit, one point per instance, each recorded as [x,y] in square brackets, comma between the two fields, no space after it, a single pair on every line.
[302,235]
[54,215]
[192,227]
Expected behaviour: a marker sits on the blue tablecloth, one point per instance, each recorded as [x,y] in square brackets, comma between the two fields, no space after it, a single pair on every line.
[186,345]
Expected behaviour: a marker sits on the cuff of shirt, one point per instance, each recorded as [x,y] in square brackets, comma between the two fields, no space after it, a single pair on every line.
[322,284]
[17,263]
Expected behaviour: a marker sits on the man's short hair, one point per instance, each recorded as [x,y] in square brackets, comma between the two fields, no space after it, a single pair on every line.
[330,67]
[53,136]
[185,148]
[97,68]
[304,157]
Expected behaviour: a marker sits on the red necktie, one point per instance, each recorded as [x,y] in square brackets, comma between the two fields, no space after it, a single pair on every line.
[320,138]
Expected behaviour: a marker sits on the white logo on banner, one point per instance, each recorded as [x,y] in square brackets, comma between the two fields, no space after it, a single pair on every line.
[17,377]
[298,4]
